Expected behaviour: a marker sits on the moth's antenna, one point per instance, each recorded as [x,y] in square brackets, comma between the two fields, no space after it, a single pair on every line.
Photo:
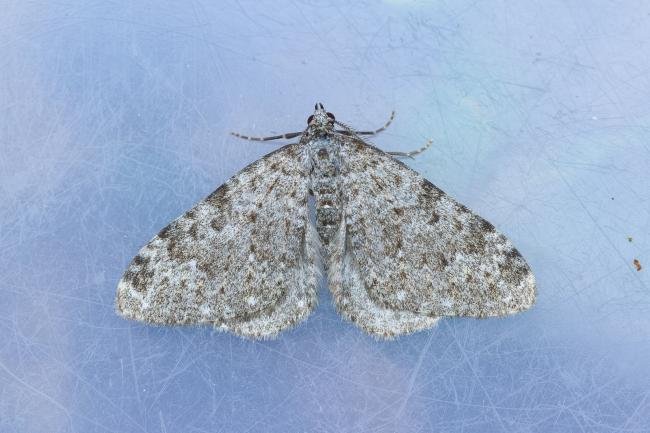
[409,154]
[274,137]
[377,131]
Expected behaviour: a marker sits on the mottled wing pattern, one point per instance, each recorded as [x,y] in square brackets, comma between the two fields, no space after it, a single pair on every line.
[242,259]
[412,251]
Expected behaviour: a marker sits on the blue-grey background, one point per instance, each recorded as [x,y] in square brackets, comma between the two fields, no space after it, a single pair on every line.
[115,119]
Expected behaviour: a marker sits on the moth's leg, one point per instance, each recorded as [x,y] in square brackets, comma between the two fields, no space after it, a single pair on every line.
[377,131]
[273,137]
[412,153]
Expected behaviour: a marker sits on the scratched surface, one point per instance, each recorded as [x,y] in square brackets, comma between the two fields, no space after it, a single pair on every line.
[115,119]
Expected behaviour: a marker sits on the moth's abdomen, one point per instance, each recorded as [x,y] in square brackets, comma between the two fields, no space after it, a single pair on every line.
[325,187]
[328,215]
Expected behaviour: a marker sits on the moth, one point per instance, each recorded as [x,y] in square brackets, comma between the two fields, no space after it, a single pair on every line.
[397,251]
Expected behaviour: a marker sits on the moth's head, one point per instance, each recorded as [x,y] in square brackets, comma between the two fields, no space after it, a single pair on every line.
[321,120]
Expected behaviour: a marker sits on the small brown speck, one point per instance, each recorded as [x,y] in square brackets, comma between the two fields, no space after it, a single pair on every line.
[629,238]
[487,226]
[378,182]
[442,261]
[164,233]
[193,231]
[398,210]
[218,196]
[217,224]
[513,253]
[637,264]
[273,184]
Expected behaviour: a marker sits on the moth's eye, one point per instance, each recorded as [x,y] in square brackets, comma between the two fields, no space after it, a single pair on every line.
[331,116]
[310,119]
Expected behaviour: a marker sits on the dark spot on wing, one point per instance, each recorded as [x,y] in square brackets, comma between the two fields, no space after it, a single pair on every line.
[252,217]
[398,210]
[135,280]
[164,232]
[434,218]
[372,163]
[513,269]
[273,184]
[378,181]
[423,260]
[218,197]
[487,226]
[128,275]
[141,279]
[429,194]
[193,230]
[217,224]
[190,214]
[475,243]
[442,261]
[174,251]
[513,253]
[322,153]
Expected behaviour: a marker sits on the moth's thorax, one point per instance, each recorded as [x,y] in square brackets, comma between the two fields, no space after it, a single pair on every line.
[325,162]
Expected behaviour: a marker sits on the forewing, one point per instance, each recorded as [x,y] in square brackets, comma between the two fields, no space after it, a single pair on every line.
[241,259]
[415,249]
